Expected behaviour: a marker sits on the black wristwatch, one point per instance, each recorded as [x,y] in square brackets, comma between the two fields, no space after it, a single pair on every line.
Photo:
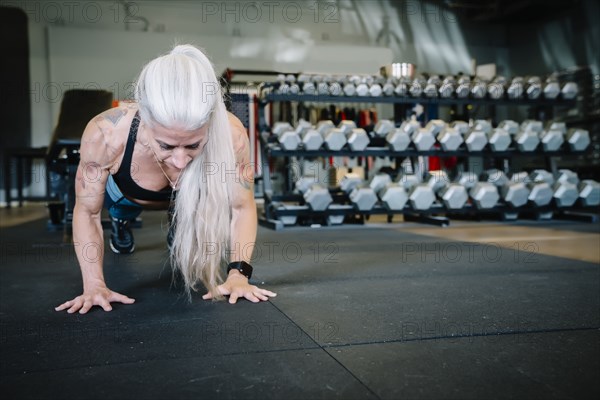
[242,266]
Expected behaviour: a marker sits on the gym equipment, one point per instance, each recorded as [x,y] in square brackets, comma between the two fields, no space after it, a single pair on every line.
[510,126]
[467,179]
[551,88]
[496,88]
[280,127]
[312,140]
[393,197]
[476,139]
[424,138]
[478,89]
[383,127]
[309,88]
[516,88]
[464,87]
[416,87]
[447,87]
[450,139]
[499,139]
[514,191]
[289,140]
[533,87]
[334,139]
[316,196]
[589,193]
[349,89]
[335,89]
[420,195]
[539,184]
[569,90]
[357,139]
[401,89]
[350,181]
[461,126]
[552,139]
[431,87]
[578,139]
[398,140]
[527,140]
[453,195]
[324,126]
[485,195]
[388,88]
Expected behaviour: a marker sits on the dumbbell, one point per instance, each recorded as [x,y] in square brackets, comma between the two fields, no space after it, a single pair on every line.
[528,137]
[450,138]
[484,194]
[496,88]
[309,88]
[498,138]
[357,138]
[553,136]
[447,87]
[477,138]
[569,90]
[388,87]
[565,188]
[551,88]
[315,196]
[333,138]
[424,138]
[287,136]
[383,127]
[510,126]
[349,88]
[336,89]
[516,88]
[398,139]
[417,86]
[533,87]
[513,192]
[452,194]
[402,87]
[420,195]
[578,139]
[478,88]
[468,179]
[393,196]
[361,195]
[463,88]
[539,183]
[310,138]
[431,87]
[589,193]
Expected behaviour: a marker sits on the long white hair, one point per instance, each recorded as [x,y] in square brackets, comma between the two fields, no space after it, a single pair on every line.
[180,90]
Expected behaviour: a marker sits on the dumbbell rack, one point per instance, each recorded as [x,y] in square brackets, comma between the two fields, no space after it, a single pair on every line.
[271,149]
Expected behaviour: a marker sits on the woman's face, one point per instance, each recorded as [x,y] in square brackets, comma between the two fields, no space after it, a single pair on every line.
[177,148]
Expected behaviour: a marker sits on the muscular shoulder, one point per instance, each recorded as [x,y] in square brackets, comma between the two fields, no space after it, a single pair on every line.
[105,135]
[239,134]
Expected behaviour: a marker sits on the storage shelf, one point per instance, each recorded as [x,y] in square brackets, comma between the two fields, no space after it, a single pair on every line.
[275,97]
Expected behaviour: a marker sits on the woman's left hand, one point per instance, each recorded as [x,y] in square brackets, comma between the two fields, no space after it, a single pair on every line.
[237,286]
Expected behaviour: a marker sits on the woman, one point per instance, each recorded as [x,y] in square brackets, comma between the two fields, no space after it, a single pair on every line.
[176,141]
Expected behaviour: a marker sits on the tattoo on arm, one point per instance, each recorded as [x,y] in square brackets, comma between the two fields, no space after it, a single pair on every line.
[244,166]
[114,115]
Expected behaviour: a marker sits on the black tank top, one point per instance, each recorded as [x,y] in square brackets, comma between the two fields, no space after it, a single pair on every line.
[123,177]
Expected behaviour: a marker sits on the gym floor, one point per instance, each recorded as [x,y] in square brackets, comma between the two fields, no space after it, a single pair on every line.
[381,311]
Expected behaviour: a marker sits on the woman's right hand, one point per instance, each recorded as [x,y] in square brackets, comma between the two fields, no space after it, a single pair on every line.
[97,296]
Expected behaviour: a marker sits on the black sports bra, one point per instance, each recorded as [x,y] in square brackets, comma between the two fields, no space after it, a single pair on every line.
[123,178]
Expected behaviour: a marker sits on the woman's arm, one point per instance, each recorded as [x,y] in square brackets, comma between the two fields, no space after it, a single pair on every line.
[243,222]
[97,156]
